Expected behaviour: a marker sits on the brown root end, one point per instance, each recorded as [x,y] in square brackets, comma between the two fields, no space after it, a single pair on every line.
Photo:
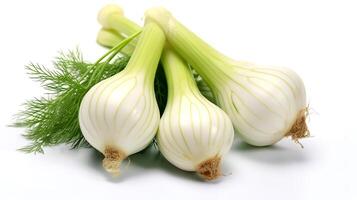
[299,129]
[112,160]
[210,169]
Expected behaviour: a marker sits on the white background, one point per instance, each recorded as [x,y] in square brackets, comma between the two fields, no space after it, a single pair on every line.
[318,39]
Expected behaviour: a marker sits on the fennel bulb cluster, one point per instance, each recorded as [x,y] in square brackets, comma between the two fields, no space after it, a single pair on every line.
[265,104]
[194,134]
[115,107]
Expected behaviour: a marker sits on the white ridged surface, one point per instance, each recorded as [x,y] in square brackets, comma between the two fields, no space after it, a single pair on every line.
[193,130]
[263,103]
[120,112]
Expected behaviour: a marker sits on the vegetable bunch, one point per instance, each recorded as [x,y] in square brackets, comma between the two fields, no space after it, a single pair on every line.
[191,106]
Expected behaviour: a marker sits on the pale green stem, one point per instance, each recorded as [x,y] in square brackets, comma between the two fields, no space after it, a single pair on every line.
[110,54]
[146,55]
[178,75]
[176,69]
[207,61]
[109,38]
[120,24]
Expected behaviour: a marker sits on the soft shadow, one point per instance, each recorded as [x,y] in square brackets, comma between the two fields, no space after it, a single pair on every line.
[147,161]
[275,154]
[95,159]
[151,158]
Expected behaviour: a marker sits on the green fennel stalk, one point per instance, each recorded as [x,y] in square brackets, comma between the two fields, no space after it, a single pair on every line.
[118,27]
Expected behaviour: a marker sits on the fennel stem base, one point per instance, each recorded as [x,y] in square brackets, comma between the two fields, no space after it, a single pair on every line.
[113,158]
[210,169]
[299,129]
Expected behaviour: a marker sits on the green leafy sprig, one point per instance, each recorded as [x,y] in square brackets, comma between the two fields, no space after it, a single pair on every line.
[53,119]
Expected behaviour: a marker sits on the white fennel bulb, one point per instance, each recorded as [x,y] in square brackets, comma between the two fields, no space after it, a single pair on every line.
[265,104]
[120,116]
[194,134]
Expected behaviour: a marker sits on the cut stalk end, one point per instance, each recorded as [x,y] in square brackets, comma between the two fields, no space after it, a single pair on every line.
[159,15]
[299,129]
[112,160]
[210,169]
[106,12]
